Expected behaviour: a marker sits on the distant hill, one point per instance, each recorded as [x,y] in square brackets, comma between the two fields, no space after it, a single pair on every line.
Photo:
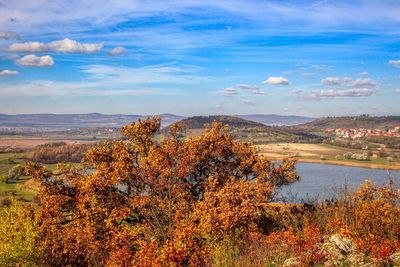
[75,121]
[278,120]
[198,122]
[246,130]
[363,121]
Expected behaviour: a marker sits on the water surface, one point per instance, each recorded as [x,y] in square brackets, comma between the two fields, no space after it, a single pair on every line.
[320,181]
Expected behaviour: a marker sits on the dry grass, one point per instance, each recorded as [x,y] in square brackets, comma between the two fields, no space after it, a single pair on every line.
[28,143]
[313,153]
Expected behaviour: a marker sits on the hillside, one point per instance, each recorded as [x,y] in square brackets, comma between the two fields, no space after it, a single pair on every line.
[198,122]
[241,129]
[279,120]
[364,121]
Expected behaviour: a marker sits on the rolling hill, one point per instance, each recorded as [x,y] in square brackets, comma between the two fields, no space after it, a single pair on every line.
[277,120]
[240,128]
[364,121]
[76,121]
[198,122]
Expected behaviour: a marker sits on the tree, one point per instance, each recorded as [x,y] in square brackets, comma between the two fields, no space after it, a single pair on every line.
[16,172]
[137,200]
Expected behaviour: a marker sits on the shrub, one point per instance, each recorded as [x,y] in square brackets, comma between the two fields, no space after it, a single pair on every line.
[18,234]
[16,172]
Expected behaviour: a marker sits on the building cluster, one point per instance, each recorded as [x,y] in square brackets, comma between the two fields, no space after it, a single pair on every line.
[359,133]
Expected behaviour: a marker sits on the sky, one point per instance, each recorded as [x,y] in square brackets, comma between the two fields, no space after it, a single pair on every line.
[200,57]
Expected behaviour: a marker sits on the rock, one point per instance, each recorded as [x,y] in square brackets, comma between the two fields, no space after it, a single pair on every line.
[395,258]
[338,247]
[341,251]
[356,259]
[292,262]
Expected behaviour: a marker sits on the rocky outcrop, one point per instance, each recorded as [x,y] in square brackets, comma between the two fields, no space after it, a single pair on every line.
[341,251]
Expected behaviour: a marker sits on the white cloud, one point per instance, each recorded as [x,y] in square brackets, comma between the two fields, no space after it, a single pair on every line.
[364,73]
[64,46]
[242,87]
[104,80]
[331,81]
[118,51]
[397,91]
[71,46]
[35,61]
[8,72]
[247,86]
[333,93]
[395,63]
[277,81]
[364,82]
[29,47]
[357,83]
[8,35]
[230,91]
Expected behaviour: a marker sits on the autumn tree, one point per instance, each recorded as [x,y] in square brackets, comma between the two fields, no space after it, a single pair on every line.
[142,202]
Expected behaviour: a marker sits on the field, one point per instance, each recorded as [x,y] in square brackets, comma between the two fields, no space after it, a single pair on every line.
[325,154]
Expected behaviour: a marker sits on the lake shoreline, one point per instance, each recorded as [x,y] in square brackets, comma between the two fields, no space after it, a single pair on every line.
[342,163]
[350,164]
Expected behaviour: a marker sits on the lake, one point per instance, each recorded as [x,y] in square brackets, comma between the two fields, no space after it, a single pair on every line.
[319,181]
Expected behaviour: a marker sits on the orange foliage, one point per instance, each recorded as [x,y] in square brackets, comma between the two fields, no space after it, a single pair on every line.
[140,202]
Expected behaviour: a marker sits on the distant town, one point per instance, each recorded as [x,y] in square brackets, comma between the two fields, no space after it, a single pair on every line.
[360,133]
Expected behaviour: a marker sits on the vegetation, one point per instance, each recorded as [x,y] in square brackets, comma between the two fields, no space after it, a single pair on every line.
[191,201]
[19,233]
[363,121]
[60,152]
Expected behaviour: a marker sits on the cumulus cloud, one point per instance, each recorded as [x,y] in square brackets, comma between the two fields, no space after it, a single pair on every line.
[118,51]
[395,63]
[71,46]
[35,61]
[8,72]
[365,82]
[277,81]
[64,46]
[31,47]
[8,35]
[333,93]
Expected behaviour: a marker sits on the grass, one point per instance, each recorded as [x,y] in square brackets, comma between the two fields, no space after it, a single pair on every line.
[313,153]
[15,188]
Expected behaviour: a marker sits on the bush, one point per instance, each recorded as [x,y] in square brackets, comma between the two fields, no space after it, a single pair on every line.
[18,234]
[348,155]
[16,172]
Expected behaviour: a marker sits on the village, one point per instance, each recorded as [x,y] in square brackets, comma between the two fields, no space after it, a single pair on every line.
[359,133]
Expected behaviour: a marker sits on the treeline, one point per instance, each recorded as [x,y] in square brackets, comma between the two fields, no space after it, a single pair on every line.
[389,142]
[57,152]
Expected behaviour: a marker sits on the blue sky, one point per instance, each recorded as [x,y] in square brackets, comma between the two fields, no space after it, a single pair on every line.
[198,57]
